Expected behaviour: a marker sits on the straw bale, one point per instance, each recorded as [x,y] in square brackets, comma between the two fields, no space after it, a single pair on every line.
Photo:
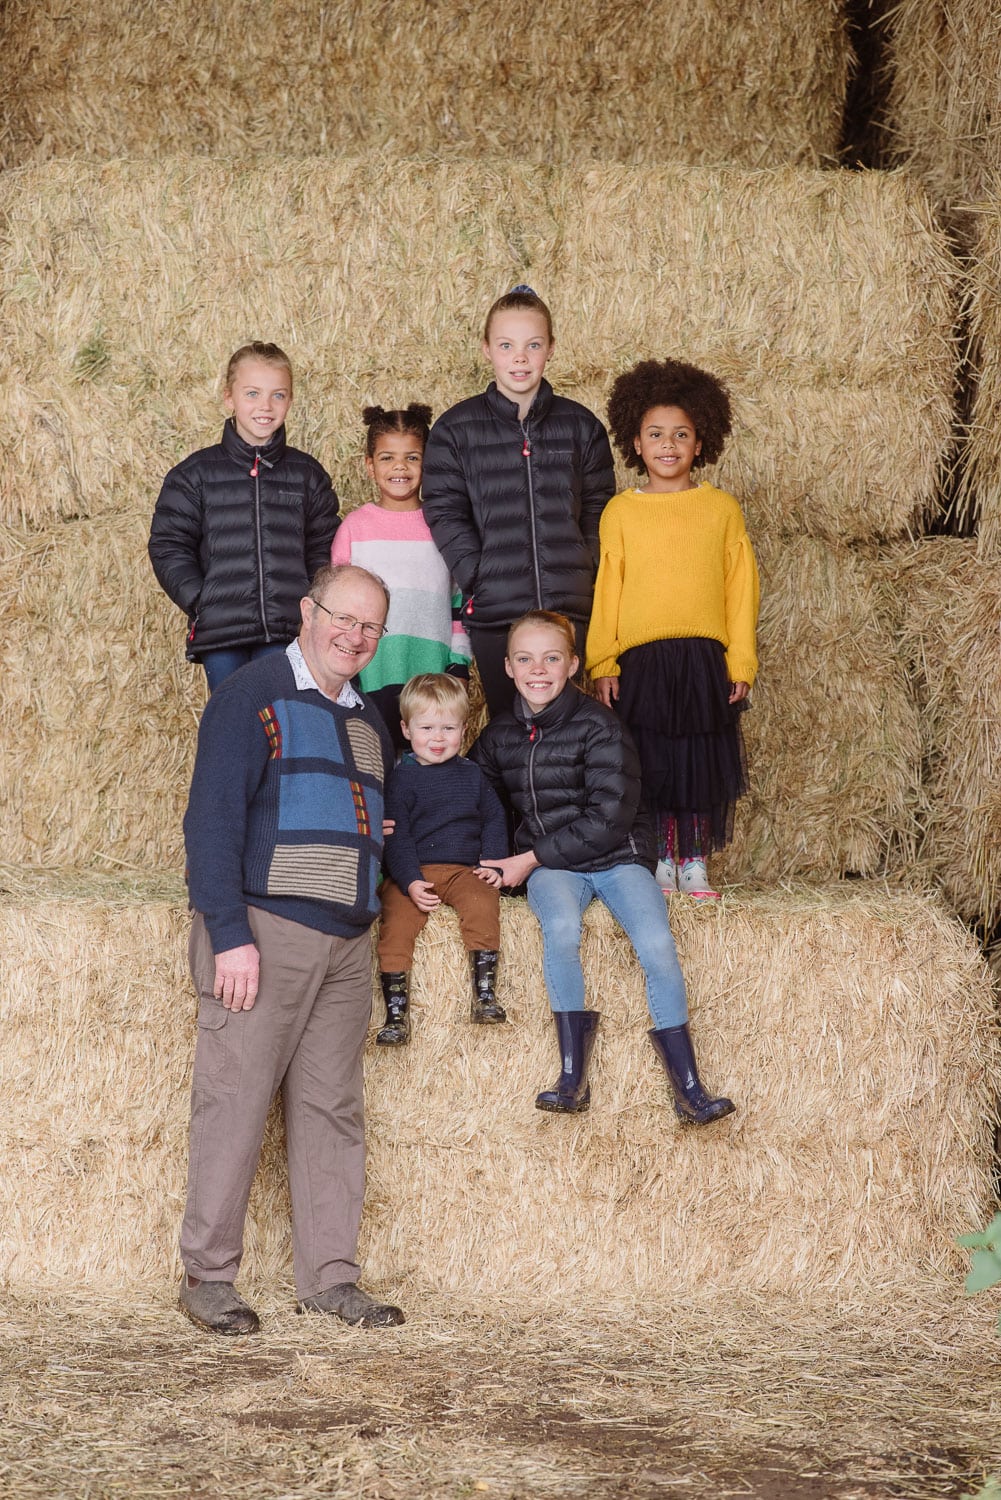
[951,636]
[981,492]
[855,1028]
[98,708]
[833,735]
[944,93]
[571,80]
[825,300]
[102,708]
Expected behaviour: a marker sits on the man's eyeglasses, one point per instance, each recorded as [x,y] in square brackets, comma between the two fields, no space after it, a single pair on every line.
[369,629]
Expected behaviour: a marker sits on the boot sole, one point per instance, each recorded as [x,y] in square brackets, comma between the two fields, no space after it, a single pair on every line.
[564,1109]
[226,1333]
[712,1120]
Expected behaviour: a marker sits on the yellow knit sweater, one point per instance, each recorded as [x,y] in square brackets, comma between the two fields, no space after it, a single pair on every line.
[674,565]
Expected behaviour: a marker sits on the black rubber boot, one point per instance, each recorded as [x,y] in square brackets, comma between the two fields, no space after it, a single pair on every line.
[694,1106]
[571,1093]
[397,997]
[485,1009]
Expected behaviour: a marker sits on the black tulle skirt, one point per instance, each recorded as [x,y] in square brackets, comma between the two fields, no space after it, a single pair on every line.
[674,696]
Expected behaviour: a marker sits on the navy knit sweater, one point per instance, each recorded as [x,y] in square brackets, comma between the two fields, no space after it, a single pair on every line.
[445,815]
[286,807]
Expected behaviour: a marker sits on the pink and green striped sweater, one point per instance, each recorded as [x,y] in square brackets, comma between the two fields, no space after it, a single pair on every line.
[426,633]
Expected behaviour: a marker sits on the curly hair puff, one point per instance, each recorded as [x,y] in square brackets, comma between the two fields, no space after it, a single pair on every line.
[669,382]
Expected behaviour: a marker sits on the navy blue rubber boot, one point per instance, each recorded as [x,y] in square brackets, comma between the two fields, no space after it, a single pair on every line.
[571,1094]
[694,1106]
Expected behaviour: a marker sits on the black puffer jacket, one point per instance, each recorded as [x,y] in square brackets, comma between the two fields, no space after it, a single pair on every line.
[237,534]
[514,506]
[572,777]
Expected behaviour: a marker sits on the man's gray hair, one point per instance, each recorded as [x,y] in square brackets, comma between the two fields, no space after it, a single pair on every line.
[333,572]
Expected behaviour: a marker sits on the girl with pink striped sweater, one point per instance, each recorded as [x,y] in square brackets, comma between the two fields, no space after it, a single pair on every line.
[390,537]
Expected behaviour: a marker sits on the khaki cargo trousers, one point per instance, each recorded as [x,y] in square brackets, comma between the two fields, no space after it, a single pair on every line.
[304,1035]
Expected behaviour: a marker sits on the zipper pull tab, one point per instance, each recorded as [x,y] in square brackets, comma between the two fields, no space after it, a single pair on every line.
[526,451]
[532,734]
[257,466]
[468,608]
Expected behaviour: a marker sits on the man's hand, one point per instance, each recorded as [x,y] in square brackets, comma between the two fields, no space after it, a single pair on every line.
[236,976]
[516,869]
[421,893]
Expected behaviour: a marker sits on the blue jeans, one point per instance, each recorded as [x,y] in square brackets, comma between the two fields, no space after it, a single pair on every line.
[228,659]
[559,899]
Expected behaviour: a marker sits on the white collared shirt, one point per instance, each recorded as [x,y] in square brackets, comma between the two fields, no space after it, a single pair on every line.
[346,698]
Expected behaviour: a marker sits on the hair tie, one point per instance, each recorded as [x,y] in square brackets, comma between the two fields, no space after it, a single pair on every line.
[521,287]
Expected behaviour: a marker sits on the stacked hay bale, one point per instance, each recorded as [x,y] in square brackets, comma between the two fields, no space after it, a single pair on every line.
[575,79]
[942,111]
[982,473]
[944,92]
[834,739]
[951,637]
[825,302]
[945,66]
[856,1030]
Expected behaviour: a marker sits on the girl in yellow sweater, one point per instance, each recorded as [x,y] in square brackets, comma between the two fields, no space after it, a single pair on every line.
[671,640]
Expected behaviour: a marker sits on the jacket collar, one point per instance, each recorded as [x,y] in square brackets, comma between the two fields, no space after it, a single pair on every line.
[562,708]
[500,405]
[245,453]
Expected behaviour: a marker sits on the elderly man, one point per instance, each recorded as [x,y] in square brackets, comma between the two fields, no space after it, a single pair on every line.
[284,836]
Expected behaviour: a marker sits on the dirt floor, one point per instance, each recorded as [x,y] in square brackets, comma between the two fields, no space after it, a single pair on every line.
[114,1397]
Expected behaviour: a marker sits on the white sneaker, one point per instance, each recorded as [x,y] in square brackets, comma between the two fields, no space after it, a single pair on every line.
[667,875]
[693,880]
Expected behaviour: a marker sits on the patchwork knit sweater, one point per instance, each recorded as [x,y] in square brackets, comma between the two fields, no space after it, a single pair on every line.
[286,807]
[426,633]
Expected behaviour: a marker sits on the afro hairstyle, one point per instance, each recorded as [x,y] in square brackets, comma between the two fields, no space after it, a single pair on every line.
[669,382]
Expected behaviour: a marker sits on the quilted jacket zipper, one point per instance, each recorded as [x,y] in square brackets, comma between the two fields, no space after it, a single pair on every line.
[255,475]
[526,453]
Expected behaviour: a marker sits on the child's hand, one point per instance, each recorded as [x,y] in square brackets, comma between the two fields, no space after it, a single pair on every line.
[739,691]
[492,877]
[607,689]
[421,893]
[388,827]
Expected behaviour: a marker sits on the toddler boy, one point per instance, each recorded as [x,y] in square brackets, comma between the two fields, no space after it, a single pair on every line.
[448,819]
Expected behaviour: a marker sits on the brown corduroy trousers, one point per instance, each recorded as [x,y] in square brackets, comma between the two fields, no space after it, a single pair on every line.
[477,904]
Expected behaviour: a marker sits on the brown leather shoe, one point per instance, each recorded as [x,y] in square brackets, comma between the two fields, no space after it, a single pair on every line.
[349,1303]
[217,1307]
